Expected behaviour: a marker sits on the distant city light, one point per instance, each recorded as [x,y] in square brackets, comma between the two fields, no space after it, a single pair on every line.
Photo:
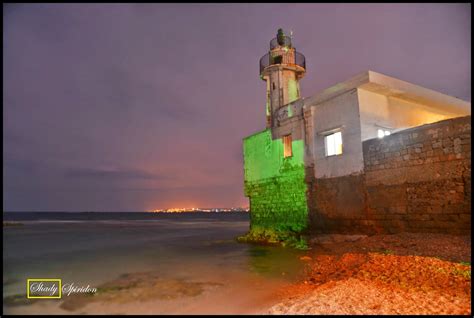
[180,210]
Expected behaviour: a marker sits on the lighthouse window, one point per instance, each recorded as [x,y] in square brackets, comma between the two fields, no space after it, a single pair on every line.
[287,151]
[274,86]
[333,144]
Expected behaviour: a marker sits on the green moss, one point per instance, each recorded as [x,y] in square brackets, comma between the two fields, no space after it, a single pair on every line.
[261,235]
[464,273]
[277,190]
[277,237]
[263,157]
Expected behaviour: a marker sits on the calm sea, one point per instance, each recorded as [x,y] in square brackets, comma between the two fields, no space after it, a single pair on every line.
[93,248]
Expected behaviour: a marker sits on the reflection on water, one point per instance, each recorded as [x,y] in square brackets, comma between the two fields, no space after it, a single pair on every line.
[179,251]
[274,261]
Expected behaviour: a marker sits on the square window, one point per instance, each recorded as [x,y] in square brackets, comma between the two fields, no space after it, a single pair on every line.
[277,59]
[287,151]
[333,143]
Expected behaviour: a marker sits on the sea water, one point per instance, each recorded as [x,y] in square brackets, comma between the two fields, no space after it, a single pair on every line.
[92,248]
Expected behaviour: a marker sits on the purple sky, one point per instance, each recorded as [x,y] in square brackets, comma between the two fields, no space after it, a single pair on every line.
[125,107]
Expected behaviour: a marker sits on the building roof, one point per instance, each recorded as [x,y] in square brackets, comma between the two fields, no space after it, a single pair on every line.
[395,88]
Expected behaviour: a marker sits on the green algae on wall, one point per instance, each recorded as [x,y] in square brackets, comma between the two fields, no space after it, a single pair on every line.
[263,157]
[275,186]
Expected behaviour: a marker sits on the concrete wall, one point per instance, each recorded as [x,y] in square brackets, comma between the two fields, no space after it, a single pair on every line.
[290,86]
[379,110]
[289,120]
[275,84]
[282,86]
[342,112]
[416,180]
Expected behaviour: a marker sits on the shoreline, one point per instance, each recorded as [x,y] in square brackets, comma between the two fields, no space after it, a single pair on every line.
[404,273]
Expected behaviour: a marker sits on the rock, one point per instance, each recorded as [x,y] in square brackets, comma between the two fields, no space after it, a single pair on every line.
[144,286]
[18,300]
[11,223]
[335,238]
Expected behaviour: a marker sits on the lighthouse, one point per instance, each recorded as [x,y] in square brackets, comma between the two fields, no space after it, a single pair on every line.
[281,68]
[325,163]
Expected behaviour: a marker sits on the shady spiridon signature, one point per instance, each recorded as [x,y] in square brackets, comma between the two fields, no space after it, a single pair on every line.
[50,288]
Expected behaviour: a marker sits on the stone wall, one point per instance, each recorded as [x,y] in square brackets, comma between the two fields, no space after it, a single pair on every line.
[338,205]
[274,184]
[279,203]
[416,180]
[426,171]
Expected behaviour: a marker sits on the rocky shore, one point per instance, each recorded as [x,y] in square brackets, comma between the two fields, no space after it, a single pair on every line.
[383,274]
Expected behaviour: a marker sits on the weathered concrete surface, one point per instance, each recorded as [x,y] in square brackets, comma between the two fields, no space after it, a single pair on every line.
[342,113]
[392,113]
[361,105]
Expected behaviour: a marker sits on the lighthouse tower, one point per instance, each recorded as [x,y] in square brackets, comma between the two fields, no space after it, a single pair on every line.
[282,68]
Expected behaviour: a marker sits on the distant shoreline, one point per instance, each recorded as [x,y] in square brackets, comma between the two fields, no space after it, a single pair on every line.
[144,212]
[89,215]
[11,223]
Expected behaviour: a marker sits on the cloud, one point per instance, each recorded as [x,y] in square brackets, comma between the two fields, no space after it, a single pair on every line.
[15,139]
[21,165]
[100,98]
[108,174]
